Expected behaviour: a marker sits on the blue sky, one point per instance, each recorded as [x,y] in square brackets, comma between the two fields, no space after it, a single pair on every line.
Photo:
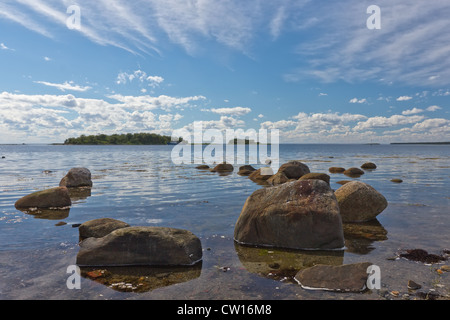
[311,69]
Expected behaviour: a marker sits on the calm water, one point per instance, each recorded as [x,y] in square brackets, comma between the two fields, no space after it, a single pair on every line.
[141,186]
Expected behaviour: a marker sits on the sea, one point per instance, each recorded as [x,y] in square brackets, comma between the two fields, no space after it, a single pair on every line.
[143,186]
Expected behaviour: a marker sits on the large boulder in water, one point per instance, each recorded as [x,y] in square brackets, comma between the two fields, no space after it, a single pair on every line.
[359,202]
[150,246]
[50,198]
[77,177]
[294,169]
[303,214]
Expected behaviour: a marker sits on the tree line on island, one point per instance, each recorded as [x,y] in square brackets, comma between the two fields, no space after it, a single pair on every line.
[121,139]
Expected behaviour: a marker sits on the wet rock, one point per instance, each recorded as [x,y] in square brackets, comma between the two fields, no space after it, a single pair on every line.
[316,175]
[421,255]
[294,169]
[345,278]
[77,177]
[49,198]
[61,223]
[223,167]
[277,179]
[202,167]
[134,246]
[246,170]
[397,180]
[303,214]
[336,170]
[353,172]
[369,165]
[98,228]
[359,202]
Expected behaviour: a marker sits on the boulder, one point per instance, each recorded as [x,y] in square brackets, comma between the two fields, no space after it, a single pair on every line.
[98,228]
[278,178]
[353,172]
[345,278]
[316,175]
[302,214]
[246,170]
[223,167]
[369,165]
[77,177]
[50,198]
[359,202]
[294,169]
[336,169]
[133,246]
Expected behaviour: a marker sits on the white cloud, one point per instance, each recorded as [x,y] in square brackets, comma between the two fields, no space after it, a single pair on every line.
[4,47]
[404,98]
[384,122]
[65,86]
[236,111]
[321,94]
[47,59]
[355,100]
[141,76]
[412,111]
[433,108]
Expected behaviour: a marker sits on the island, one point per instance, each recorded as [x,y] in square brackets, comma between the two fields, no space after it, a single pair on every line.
[121,139]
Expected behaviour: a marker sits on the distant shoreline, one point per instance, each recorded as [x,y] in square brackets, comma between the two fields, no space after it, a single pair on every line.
[420,142]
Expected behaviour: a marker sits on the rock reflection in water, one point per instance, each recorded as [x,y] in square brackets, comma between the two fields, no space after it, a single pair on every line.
[81,193]
[140,279]
[49,214]
[283,264]
[359,237]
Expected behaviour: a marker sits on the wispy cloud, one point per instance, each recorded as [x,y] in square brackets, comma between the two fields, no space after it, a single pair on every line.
[4,47]
[356,100]
[404,98]
[68,85]
[236,111]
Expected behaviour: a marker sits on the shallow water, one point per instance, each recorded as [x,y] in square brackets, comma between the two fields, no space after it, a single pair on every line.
[142,186]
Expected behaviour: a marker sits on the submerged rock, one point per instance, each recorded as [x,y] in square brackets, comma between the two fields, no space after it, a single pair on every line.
[421,255]
[359,202]
[294,169]
[316,175]
[77,177]
[151,246]
[303,214]
[98,228]
[50,198]
[346,278]
[397,180]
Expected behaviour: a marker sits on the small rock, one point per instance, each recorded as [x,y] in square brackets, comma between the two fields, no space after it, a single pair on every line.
[397,180]
[202,167]
[445,268]
[246,170]
[421,256]
[61,223]
[413,285]
[277,179]
[223,167]
[342,182]
[98,228]
[369,165]
[294,169]
[353,172]
[336,170]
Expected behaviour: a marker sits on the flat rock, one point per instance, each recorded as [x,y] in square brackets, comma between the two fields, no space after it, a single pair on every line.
[359,202]
[134,246]
[50,198]
[345,278]
[77,177]
[353,172]
[336,170]
[98,228]
[223,167]
[369,165]
[303,214]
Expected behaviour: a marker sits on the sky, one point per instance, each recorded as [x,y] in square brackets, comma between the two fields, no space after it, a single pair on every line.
[318,71]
